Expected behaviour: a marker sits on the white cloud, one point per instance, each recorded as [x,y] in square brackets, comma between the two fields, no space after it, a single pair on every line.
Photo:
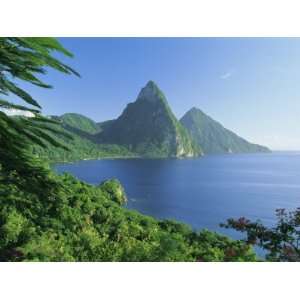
[226,75]
[16,112]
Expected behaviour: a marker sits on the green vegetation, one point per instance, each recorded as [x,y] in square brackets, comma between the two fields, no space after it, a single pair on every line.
[213,137]
[78,148]
[114,191]
[282,242]
[78,140]
[21,59]
[63,219]
[79,122]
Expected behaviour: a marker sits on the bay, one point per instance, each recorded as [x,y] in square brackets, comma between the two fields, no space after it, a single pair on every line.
[202,192]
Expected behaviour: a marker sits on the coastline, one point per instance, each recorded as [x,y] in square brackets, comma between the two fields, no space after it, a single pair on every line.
[160,157]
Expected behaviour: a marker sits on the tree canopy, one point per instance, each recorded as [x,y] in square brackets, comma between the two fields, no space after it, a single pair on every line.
[23,60]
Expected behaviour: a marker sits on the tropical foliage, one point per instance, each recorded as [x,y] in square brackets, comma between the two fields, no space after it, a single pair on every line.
[21,59]
[282,242]
[74,221]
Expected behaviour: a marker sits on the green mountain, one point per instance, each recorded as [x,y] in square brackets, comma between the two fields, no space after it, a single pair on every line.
[79,122]
[104,125]
[148,127]
[213,137]
[82,145]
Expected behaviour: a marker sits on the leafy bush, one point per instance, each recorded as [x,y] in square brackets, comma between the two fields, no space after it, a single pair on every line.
[282,242]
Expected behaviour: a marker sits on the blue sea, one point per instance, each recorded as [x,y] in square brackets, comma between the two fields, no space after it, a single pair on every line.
[202,192]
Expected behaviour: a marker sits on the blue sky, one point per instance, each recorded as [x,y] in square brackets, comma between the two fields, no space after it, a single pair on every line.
[250,85]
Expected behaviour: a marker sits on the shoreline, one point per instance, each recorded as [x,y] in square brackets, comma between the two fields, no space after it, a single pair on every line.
[170,157]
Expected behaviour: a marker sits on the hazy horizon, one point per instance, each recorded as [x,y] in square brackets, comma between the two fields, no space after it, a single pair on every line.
[249,85]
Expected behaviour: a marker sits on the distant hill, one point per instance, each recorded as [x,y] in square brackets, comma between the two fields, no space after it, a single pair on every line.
[80,122]
[148,127]
[213,137]
[82,145]
[104,125]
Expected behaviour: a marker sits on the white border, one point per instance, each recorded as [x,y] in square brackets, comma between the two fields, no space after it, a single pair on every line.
[150,18]
[152,280]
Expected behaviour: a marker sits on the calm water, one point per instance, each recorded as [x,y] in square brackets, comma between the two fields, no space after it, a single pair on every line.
[202,192]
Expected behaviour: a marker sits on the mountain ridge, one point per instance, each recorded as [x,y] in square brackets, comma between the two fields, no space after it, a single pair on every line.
[213,137]
[80,122]
[149,127]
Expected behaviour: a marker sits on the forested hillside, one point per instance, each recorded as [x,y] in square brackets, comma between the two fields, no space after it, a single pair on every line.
[148,127]
[63,219]
[81,143]
[213,137]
